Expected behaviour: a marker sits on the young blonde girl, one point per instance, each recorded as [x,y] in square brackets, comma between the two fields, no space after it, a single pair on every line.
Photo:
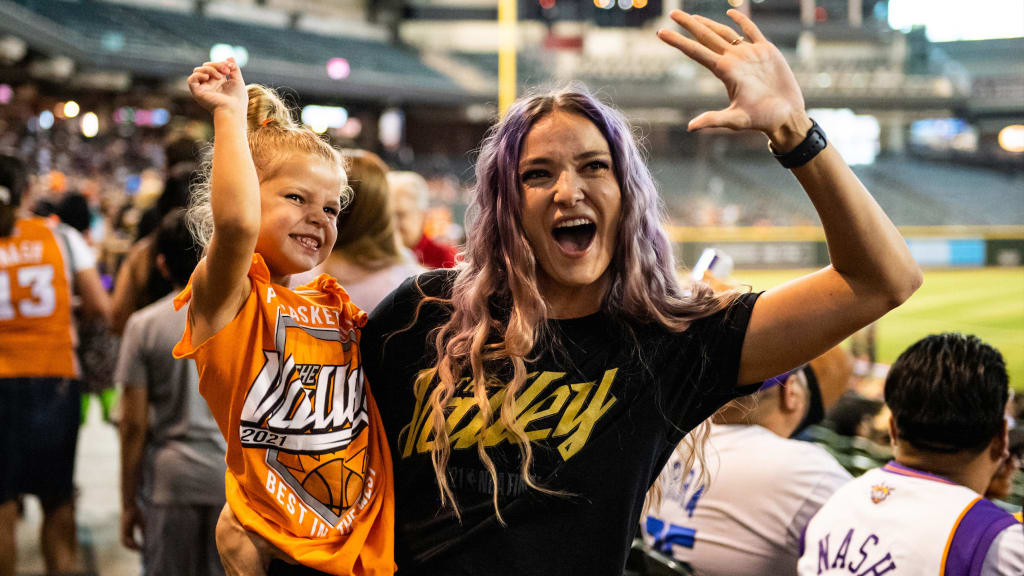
[308,465]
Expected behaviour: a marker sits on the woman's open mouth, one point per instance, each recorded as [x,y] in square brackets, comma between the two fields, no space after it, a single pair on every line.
[575,235]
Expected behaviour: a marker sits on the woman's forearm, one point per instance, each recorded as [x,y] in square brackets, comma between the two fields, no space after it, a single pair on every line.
[864,245]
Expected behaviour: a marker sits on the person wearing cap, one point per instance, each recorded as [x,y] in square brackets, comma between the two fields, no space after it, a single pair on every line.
[714,521]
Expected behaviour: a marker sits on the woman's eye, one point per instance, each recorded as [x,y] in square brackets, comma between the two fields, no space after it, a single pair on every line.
[533,175]
[331,211]
[293,196]
[597,165]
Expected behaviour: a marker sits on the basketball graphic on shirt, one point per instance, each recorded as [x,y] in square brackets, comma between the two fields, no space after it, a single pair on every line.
[314,415]
[337,482]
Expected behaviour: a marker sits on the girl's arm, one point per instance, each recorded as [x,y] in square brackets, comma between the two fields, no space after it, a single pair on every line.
[872,270]
[220,284]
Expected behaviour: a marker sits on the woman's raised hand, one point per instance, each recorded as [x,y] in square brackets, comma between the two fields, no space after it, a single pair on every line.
[763,93]
[219,86]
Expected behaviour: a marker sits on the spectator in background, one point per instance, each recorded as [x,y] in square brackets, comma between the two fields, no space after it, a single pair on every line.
[97,345]
[1000,489]
[42,265]
[368,258]
[923,513]
[172,464]
[137,283]
[409,203]
[763,488]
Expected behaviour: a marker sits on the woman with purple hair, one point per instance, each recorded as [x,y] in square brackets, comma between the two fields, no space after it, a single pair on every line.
[532,395]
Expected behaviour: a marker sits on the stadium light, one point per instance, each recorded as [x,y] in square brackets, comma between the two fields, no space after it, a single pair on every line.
[625,4]
[12,49]
[90,124]
[338,69]
[220,52]
[638,4]
[604,4]
[1011,138]
[46,119]
[71,109]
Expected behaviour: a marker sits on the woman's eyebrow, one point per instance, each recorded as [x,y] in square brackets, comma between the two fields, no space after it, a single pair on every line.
[593,154]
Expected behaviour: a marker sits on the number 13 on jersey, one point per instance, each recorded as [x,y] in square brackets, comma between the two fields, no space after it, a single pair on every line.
[40,299]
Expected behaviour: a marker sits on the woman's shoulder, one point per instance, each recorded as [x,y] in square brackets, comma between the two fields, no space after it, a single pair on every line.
[429,284]
[432,288]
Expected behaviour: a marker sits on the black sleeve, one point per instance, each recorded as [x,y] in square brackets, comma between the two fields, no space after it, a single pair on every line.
[704,366]
[722,336]
[395,336]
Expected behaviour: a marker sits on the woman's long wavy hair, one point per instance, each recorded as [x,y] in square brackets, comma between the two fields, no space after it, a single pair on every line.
[500,267]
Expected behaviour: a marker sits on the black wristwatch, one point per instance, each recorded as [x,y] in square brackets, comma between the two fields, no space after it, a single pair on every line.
[813,143]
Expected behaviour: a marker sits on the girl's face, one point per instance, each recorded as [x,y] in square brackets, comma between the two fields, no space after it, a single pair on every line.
[570,210]
[299,203]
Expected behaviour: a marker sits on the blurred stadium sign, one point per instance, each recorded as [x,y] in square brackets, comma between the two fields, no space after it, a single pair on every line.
[141,116]
[320,118]
[944,134]
[391,127]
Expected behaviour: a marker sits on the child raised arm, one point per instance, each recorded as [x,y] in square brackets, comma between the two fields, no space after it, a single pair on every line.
[221,284]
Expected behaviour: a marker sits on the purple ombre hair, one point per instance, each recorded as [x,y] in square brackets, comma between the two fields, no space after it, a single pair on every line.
[499,264]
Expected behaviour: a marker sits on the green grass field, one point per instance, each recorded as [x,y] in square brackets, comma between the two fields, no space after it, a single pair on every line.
[987,302]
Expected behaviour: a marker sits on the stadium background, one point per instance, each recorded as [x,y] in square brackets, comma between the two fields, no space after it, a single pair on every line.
[925,99]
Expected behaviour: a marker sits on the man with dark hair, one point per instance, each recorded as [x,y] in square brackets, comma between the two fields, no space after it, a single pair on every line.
[172,453]
[923,513]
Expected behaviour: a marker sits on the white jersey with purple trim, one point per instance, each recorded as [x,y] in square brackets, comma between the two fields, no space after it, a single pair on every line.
[748,521]
[899,521]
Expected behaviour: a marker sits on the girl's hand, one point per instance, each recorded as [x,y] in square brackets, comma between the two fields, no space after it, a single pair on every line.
[219,86]
[763,93]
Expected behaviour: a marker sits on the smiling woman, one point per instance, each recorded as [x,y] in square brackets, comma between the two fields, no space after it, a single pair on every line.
[570,211]
[532,395]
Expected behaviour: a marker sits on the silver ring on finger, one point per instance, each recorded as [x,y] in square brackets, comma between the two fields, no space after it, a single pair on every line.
[737,40]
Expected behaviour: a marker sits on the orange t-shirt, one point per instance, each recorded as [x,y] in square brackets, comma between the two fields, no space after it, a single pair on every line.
[35,305]
[308,463]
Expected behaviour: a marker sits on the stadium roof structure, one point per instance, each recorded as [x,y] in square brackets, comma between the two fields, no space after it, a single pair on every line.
[160,43]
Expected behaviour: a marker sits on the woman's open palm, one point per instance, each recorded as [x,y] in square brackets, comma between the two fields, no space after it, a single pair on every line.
[763,93]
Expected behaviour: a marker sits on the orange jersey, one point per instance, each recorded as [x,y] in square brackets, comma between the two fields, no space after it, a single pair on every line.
[35,305]
[308,463]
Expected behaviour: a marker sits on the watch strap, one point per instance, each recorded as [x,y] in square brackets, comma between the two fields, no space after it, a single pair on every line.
[812,144]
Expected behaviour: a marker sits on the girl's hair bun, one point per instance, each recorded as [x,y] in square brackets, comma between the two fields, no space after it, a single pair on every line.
[267,109]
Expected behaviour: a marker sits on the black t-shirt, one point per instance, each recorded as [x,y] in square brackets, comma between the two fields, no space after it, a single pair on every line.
[604,405]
